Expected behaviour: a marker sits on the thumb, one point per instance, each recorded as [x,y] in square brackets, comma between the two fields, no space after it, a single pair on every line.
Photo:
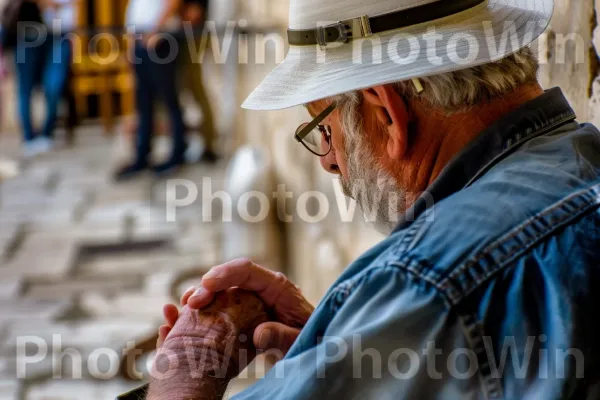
[275,337]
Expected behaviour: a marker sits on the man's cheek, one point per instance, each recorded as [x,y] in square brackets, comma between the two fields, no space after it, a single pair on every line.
[339,152]
[342,164]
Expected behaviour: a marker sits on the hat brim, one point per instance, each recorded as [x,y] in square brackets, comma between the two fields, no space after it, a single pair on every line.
[468,39]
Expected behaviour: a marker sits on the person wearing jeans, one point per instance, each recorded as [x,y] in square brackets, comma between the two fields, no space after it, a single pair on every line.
[43,58]
[155,64]
[46,64]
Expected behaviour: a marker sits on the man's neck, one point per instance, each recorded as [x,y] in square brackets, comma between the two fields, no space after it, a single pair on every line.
[439,137]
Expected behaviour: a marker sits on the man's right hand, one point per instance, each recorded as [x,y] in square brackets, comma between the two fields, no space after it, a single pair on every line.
[202,352]
[288,307]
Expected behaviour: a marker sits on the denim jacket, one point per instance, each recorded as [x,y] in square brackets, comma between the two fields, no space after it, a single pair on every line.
[485,291]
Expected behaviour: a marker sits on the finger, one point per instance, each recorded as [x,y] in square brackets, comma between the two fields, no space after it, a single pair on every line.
[188,293]
[163,332]
[171,313]
[275,338]
[200,299]
[248,276]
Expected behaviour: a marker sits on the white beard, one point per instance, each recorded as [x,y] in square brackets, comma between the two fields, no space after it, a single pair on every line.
[375,191]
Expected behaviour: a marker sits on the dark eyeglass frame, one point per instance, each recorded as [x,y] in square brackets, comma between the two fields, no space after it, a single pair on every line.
[301,134]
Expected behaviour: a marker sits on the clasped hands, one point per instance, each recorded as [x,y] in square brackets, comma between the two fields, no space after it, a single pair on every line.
[239,308]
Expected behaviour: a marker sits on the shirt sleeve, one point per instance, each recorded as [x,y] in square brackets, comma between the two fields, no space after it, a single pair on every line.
[392,336]
[136,394]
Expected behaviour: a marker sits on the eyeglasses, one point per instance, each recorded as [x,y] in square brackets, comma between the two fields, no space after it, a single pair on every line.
[314,136]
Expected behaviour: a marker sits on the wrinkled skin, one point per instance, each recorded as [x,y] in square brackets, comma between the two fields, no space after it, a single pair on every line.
[225,327]
[288,308]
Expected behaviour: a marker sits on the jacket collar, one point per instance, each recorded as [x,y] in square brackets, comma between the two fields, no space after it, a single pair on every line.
[534,118]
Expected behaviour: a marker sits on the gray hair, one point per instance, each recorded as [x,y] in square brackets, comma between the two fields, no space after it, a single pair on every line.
[459,90]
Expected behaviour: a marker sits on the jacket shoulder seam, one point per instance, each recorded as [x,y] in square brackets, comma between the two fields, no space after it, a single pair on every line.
[488,262]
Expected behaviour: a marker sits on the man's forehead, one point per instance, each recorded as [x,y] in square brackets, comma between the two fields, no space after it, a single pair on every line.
[316,107]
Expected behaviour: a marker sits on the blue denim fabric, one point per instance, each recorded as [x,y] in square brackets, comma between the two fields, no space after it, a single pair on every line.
[487,290]
[46,63]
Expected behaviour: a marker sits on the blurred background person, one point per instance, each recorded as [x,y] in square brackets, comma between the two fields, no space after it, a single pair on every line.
[190,79]
[195,12]
[155,62]
[42,57]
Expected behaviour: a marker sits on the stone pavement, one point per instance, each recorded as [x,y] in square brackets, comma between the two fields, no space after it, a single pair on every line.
[86,266]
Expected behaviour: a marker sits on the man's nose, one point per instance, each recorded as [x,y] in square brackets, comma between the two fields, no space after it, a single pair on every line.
[329,163]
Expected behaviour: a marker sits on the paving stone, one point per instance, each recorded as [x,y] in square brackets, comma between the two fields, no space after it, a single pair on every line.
[147,264]
[10,389]
[204,240]
[151,234]
[10,289]
[112,265]
[111,332]
[28,369]
[4,368]
[141,305]
[148,302]
[41,256]
[33,309]
[19,198]
[133,195]
[91,233]
[85,182]
[58,361]
[38,216]
[9,169]
[147,230]
[74,286]
[8,217]
[9,146]
[84,233]
[114,213]
[159,283]
[65,198]
[8,235]
[40,172]
[51,217]
[24,183]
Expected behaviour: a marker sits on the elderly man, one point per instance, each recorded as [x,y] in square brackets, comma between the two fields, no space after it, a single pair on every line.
[485,288]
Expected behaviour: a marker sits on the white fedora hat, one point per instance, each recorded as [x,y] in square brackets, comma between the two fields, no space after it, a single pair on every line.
[337,46]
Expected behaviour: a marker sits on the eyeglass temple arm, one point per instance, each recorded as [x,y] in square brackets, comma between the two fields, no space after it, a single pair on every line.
[315,122]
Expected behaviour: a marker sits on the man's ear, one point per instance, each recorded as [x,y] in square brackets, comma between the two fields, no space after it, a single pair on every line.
[392,113]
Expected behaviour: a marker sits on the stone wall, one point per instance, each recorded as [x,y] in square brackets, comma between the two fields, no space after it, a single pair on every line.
[571,61]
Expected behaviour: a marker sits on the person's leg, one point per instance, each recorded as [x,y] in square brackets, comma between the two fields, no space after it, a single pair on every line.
[193,69]
[145,97]
[54,78]
[144,102]
[27,60]
[167,90]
